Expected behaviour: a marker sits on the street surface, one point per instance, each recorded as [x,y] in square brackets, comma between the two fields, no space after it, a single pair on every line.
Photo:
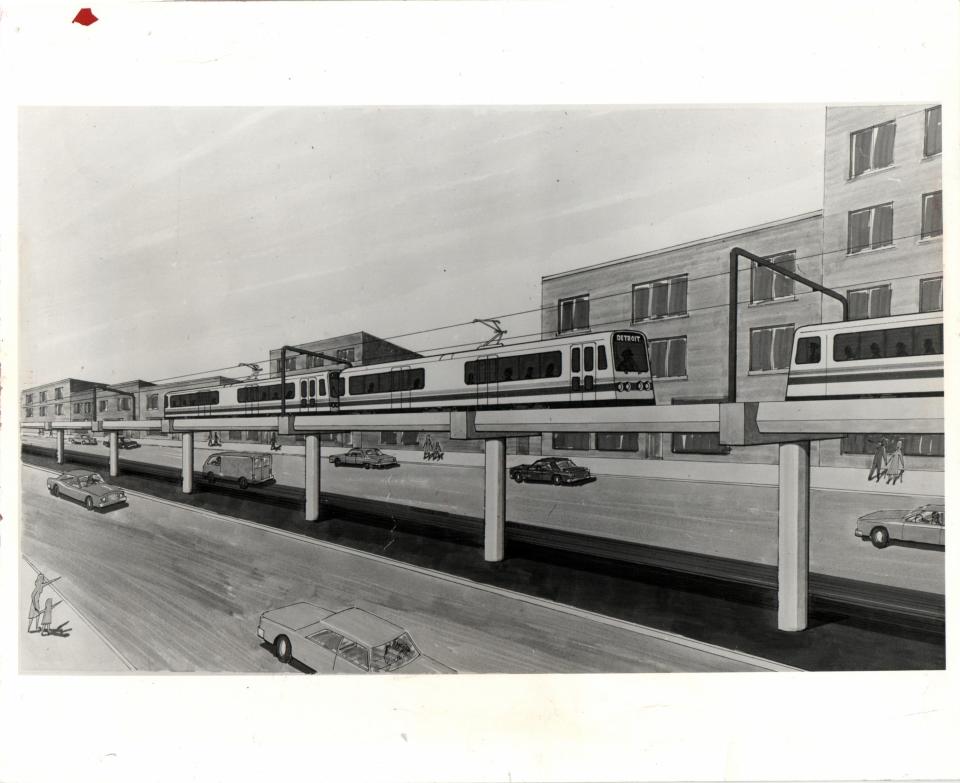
[735,520]
[177,589]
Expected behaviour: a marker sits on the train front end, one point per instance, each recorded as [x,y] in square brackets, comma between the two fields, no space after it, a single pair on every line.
[632,380]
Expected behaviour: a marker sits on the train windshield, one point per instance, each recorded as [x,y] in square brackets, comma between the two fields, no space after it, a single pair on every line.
[630,353]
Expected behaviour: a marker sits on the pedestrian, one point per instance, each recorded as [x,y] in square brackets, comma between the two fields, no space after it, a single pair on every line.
[47,619]
[427,448]
[895,464]
[879,466]
[437,451]
[35,611]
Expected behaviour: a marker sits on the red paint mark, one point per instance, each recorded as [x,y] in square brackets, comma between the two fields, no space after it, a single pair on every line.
[85,17]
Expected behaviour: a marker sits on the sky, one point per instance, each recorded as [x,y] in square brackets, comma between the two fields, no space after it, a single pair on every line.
[158,242]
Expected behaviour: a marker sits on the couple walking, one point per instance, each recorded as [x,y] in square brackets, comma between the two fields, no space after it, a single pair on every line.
[887,465]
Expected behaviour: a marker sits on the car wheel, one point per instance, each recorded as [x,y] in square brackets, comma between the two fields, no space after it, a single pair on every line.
[284,650]
[55,491]
[243,482]
[337,462]
[880,537]
[88,503]
[366,466]
[211,478]
[518,478]
[557,481]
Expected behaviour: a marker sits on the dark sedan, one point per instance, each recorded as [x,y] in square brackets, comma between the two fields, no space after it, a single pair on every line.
[365,458]
[123,443]
[551,470]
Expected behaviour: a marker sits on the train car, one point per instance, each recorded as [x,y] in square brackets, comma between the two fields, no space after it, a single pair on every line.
[898,356]
[585,369]
[313,393]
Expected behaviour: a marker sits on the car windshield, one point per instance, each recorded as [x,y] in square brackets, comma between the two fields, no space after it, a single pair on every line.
[93,478]
[394,654]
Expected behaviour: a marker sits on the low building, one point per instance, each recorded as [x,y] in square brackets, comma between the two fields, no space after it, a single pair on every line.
[349,349]
[69,399]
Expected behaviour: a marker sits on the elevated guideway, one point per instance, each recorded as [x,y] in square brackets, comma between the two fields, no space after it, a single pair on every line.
[792,425]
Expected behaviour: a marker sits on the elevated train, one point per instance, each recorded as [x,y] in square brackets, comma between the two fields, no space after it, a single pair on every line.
[898,356]
[586,369]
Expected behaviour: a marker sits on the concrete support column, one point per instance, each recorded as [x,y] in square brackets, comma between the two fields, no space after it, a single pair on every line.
[311,480]
[793,567]
[114,455]
[186,444]
[494,498]
[60,441]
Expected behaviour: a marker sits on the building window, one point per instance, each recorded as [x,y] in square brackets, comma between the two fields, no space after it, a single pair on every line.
[58,393]
[668,357]
[43,397]
[932,141]
[29,413]
[872,148]
[766,285]
[645,444]
[59,409]
[869,302]
[76,407]
[235,435]
[870,228]
[102,406]
[915,445]
[153,402]
[389,438]
[932,224]
[770,348]
[88,408]
[931,295]
[314,361]
[28,398]
[574,313]
[43,411]
[346,355]
[290,363]
[698,443]
[571,440]
[124,403]
[660,298]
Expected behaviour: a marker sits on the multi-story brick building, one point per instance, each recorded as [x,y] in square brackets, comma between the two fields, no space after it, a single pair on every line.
[69,399]
[356,348]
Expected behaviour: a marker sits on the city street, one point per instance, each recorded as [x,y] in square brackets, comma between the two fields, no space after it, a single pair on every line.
[177,589]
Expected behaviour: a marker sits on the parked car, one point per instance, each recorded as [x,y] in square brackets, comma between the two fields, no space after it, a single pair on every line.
[123,442]
[244,467]
[89,488]
[366,458]
[351,641]
[552,470]
[924,525]
[83,439]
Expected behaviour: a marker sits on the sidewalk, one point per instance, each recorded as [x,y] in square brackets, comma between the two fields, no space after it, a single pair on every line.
[78,647]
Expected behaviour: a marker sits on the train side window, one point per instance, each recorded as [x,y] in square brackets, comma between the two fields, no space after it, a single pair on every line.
[303,388]
[321,387]
[470,373]
[341,387]
[588,358]
[602,357]
[313,388]
[846,347]
[899,342]
[552,364]
[508,368]
[928,340]
[418,376]
[575,360]
[808,350]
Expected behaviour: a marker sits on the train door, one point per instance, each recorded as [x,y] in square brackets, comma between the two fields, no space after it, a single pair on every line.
[488,381]
[808,370]
[400,387]
[251,399]
[333,379]
[583,372]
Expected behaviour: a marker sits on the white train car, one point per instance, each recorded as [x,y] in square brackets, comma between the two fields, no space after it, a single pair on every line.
[898,356]
[585,369]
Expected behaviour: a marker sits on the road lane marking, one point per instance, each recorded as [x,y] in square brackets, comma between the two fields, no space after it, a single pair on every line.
[84,618]
[642,630]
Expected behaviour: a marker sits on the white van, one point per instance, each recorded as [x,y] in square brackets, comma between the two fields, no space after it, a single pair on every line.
[244,467]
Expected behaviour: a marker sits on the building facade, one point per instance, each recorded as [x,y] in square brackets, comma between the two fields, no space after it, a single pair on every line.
[350,349]
[69,399]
